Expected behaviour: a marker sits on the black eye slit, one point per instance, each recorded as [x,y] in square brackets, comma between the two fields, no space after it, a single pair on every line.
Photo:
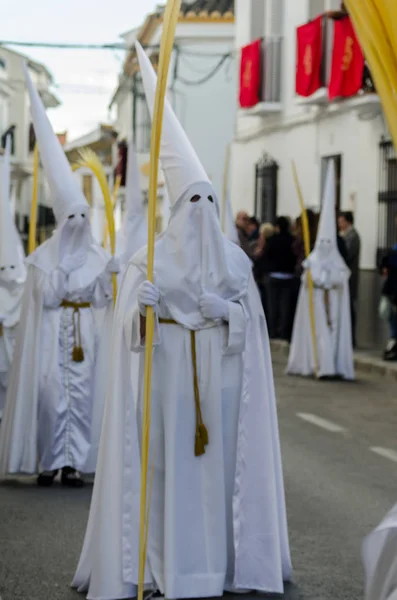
[12,267]
[71,217]
[2,268]
[195,198]
[83,215]
[210,198]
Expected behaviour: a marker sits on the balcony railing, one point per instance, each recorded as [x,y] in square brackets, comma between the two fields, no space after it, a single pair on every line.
[271,68]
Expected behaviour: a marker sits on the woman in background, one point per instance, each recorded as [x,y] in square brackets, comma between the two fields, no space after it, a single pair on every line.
[261,270]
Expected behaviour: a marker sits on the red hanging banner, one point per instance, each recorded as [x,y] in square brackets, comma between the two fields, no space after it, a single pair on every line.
[309,42]
[347,61]
[250,74]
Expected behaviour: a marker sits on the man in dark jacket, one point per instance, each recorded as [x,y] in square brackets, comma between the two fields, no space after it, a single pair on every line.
[281,261]
[353,246]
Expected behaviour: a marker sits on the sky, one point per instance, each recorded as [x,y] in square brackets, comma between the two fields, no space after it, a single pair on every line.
[85,80]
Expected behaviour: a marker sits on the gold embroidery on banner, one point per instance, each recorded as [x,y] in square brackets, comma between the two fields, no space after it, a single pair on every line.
[348,54]
[308,60]
[247,75]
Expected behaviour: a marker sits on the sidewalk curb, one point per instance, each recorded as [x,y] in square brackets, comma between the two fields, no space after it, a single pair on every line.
[362,362]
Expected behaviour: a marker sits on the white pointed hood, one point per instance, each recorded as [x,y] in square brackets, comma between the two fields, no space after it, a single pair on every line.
[192,256]
[73,233]
[133,234]
[66,193]
[325,255]
[11,250]
[179,161]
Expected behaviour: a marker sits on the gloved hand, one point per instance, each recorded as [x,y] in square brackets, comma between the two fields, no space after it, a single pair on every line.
[214,307]
[72,262]
[148,295]
[113,265]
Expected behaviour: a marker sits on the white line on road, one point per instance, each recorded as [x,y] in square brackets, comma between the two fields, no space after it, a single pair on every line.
[386,453]
[323,423]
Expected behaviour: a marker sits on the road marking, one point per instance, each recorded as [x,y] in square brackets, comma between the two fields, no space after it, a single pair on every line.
[386,453]
[323,423]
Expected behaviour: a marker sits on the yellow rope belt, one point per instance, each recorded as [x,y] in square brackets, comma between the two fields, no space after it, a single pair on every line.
[201,438]
[78,352]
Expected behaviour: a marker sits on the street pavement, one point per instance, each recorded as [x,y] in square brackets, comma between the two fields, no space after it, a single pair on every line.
[339,443]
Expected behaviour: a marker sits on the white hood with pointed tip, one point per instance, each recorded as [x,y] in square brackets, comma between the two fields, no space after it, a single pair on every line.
[192,257]
[179,161]
[11,249]
[66,194]
[325,261]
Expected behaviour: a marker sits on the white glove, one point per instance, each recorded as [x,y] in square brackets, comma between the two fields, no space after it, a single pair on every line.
[148,295]
[214,307]
[72,262]
[113,265]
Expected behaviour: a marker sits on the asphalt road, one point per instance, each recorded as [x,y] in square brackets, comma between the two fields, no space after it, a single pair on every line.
[339,446]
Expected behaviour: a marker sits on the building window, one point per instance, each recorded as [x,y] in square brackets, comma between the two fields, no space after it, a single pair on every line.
[87,188]
[11,134]
[32,138]
[121,168]
[325,161]
[387,199]
[266,189]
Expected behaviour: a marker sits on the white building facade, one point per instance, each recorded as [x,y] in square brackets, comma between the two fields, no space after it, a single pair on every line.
[15,120]
[202,84]
[311,131]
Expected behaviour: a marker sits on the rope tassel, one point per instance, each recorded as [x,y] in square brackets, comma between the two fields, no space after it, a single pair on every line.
[78,352]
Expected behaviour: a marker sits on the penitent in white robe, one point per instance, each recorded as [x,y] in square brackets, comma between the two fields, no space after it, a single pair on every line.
[380,560]
[217,521]
[332,322]
[51,417]
[10,308]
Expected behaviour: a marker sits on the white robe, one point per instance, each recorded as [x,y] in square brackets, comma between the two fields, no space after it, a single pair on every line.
[380,560]
[51,418]
[333,329]
[216,521]
[10,308]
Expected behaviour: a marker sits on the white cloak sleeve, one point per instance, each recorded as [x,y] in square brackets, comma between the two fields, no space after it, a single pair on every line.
[237,330]
[18,435]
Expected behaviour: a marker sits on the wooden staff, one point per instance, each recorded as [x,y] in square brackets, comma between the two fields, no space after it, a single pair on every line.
[306,241]
[170,19]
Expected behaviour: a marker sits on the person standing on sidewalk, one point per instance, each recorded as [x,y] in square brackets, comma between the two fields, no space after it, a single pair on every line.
[331,354]
[281,260]
[217,520]
[353,248]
